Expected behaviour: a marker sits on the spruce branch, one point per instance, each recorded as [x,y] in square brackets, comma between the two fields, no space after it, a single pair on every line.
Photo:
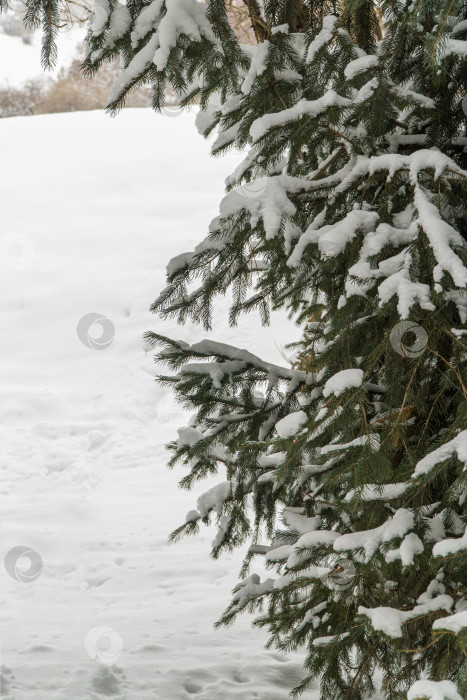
[258,25]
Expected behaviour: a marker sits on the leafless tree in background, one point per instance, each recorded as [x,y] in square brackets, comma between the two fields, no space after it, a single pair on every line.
[76,12]
[67,90]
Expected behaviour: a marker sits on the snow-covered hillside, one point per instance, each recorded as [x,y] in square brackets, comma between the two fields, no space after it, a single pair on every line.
[92,209]
[20,62]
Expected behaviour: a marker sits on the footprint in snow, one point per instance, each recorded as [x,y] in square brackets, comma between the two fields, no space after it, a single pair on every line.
[192,687]
[97,581]
[151,648]
[106,682]
[95,439]
[240,677]
[7,683]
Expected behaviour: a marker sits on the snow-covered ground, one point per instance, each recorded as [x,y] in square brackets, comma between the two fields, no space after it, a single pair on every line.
[92,209]
[20,62]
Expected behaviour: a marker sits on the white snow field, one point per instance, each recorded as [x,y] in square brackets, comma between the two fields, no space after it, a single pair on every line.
[20,62]
[97,604]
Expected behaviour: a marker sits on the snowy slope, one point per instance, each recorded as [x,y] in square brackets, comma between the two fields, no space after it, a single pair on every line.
[20,62]
[92,209]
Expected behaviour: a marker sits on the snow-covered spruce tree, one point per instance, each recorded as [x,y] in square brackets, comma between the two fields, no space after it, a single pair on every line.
[347,471]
